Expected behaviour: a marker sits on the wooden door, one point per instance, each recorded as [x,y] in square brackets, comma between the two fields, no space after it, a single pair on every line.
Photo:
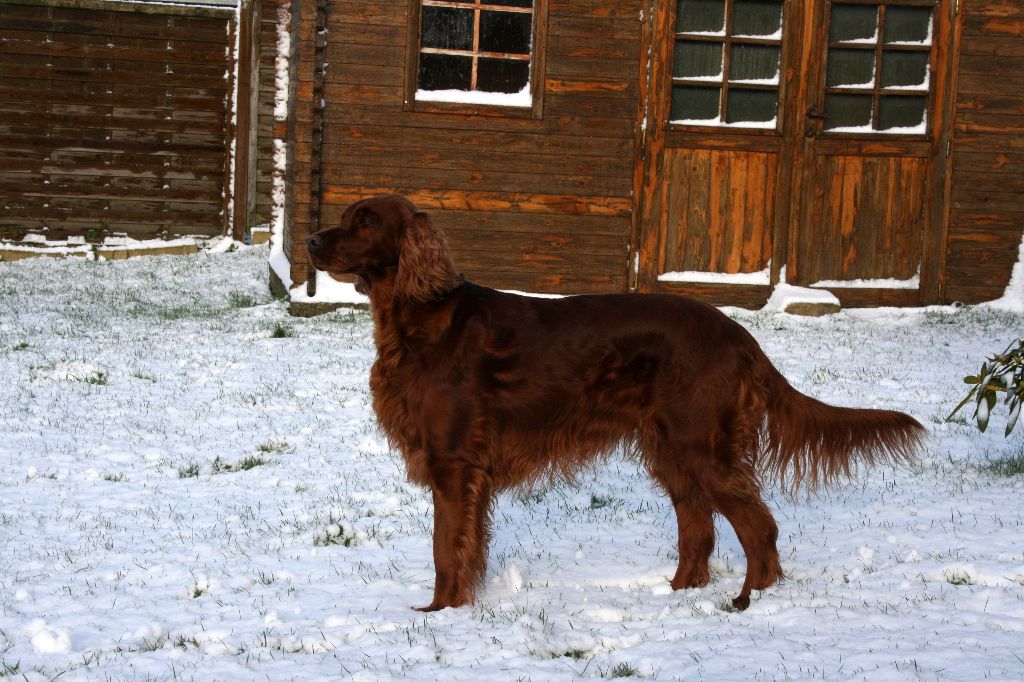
[871,165]
[755,166]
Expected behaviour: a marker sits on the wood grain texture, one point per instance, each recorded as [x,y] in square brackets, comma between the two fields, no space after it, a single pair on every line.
[986,216]
[112,121]
[497,183]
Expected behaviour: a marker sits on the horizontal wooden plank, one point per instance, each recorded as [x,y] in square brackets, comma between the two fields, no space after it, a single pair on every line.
[148,189]
[486,201]
[79,46]
[979,25]
[739,295]
[959,292]
[969,219]
[994,8]
[385,157]
[127,6]
[534,259]
[114,71]
[548,283]
[165,122]
[996,276]
[54,137]
[987,181]
[448,140]
[607,229]
[477,180]
[98,22]
[108,94]
[965,197]
[987,141]
[87,164]
[993,103]
[996,46]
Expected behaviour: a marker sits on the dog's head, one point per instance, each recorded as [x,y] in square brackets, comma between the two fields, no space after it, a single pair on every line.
[386,238]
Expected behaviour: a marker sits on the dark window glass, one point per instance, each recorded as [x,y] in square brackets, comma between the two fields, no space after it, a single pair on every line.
[445,72]
[691,103]
[900,111]
[753,62]
[698,60]
[850,67]
[507,32]
[756,17]
[447,28]
[907,24]
[700,16]
[509,3]
[847,111]
[751,106]
[502,75]
[902,69]
[853,22]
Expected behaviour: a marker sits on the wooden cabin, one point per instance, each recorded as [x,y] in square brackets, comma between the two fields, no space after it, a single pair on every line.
[706,147]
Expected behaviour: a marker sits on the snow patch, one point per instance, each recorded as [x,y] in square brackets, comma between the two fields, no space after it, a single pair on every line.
[882,283]
[1012,299]
[523,98]
[761,277]
[47,639]
[328,290]
[785,295]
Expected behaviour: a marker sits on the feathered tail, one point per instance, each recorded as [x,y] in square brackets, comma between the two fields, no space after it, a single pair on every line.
[808,443]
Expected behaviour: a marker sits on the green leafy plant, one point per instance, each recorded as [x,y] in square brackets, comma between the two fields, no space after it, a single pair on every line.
[1000,374]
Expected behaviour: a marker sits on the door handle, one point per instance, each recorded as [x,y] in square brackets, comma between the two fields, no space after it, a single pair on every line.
[816,115]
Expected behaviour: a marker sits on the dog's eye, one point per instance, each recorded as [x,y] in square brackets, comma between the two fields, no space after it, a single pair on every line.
[364,221]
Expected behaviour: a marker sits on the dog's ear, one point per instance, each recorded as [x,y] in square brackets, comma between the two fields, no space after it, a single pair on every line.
[362,285]
[425,270]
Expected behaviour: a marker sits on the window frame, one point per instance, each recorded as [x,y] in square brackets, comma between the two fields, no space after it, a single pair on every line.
[728,41]
[876,91]
[537,69]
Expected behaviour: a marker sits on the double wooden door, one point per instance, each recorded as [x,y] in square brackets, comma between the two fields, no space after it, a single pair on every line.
[795,140]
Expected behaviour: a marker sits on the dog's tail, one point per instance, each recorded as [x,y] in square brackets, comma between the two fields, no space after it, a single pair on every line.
[807,443]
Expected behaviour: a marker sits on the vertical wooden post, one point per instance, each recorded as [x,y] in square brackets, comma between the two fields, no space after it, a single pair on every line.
[315,165]
[244,191]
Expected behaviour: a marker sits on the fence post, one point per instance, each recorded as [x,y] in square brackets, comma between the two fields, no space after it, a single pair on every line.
[247,118]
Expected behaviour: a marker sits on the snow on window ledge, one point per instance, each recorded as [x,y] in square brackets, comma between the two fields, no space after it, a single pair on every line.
[762,277]
[912,283]
[717,122]
[523,98]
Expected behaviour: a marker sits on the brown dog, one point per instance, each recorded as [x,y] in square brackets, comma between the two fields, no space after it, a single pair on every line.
[482,390]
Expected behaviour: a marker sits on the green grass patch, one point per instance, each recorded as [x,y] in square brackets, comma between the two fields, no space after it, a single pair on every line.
[281,331]
[190,470]
[249,462]
[623,670]
[276,446]
[1006,466]
[239,299]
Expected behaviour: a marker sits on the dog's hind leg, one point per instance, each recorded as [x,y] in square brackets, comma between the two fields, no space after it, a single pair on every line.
[462,499]
[737,498]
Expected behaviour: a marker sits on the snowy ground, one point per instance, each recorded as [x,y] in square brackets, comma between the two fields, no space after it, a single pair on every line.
[192,487]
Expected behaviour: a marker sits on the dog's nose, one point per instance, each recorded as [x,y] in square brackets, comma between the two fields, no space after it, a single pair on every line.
[314,242]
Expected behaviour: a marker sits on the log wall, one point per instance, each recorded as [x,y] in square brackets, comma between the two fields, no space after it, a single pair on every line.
[541,204]
[986,214]
[113,119]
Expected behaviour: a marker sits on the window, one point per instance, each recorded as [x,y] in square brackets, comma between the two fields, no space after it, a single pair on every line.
[476,51]
[726,68]
[878,69]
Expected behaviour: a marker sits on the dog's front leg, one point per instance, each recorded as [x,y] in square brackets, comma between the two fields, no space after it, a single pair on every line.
[462,501]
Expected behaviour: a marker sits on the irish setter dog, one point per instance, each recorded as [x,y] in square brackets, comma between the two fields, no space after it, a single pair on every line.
[482,390]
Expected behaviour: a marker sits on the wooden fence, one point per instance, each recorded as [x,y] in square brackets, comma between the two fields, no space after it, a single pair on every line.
[114,119]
